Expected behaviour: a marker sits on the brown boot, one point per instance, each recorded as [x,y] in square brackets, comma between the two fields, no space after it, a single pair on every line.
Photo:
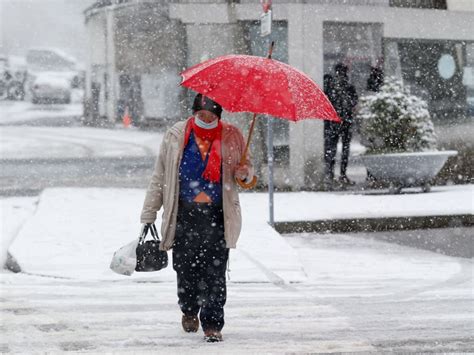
[190,323]
[212,336]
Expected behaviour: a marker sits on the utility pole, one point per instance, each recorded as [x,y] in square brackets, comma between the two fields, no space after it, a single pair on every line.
[265,31]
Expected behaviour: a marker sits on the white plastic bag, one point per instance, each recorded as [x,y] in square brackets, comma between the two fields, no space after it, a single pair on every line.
[124,260]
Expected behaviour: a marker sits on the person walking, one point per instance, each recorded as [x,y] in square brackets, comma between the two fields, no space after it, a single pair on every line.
[194,182]
[343,97]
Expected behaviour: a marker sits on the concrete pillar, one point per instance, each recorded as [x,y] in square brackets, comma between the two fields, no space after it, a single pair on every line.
[112,82]
[96,65]
[305,49]
[314,128]
[89,49]
[296,59]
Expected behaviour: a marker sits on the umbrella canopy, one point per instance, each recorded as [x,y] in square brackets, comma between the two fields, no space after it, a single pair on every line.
[244,83]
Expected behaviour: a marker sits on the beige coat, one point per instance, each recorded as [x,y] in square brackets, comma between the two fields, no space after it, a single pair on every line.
[163,190]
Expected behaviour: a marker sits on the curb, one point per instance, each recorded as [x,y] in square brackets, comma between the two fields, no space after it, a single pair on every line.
[453,239]
[375,224]
[11,264]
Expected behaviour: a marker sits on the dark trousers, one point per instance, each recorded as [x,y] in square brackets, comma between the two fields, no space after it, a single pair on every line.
[199,259]
[332,132]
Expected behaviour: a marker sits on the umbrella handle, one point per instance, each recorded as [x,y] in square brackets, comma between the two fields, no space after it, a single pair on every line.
[246,185]
[252,125]
[252,183]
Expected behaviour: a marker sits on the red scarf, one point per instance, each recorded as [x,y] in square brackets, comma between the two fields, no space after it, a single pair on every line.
[212,172]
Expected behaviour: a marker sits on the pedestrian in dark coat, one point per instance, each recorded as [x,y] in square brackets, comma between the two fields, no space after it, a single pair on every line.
[343,97]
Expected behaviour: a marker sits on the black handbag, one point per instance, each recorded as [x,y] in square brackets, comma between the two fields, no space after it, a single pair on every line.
[149,255]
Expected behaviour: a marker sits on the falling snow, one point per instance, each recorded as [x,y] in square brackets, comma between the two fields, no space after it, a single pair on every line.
[374,259]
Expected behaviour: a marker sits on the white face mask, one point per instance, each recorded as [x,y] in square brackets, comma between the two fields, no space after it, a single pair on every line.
[205,125]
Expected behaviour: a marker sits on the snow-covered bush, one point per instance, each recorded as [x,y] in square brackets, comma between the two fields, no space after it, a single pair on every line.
[393,120]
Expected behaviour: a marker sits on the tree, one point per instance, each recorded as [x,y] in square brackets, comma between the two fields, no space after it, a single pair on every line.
[393,121]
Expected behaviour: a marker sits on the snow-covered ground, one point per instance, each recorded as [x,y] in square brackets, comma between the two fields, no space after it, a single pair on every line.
[14,213]
[74,232]
[69,223]
[22,112]
[303,293]
[70,142]
[26,142]
[310,206]
[359,297]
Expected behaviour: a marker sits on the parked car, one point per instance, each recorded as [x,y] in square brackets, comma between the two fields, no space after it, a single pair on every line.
[51,87]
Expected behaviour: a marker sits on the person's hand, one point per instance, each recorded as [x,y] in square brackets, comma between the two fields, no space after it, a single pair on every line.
[242,172]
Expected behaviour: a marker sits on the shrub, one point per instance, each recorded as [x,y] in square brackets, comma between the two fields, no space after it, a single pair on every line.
[393,121]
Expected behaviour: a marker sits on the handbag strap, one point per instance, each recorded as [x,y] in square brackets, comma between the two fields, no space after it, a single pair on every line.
[154,232]
[144,232]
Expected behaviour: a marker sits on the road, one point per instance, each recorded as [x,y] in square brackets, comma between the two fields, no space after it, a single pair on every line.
[23,177]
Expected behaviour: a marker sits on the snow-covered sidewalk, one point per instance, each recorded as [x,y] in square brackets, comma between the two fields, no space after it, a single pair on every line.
[313,206]
[73,232]
[301,293]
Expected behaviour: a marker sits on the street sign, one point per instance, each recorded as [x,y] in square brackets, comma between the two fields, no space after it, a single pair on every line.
[266,23]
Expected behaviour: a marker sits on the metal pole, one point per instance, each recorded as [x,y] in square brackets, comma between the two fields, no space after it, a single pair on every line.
[266,31]
[270,158]
[270,170]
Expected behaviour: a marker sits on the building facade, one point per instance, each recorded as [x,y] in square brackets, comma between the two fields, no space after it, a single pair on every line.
[138,48]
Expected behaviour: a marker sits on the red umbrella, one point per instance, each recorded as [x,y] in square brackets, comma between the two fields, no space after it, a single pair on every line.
[244,83]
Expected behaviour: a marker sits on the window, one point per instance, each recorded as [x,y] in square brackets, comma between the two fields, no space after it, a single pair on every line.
[439,72]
